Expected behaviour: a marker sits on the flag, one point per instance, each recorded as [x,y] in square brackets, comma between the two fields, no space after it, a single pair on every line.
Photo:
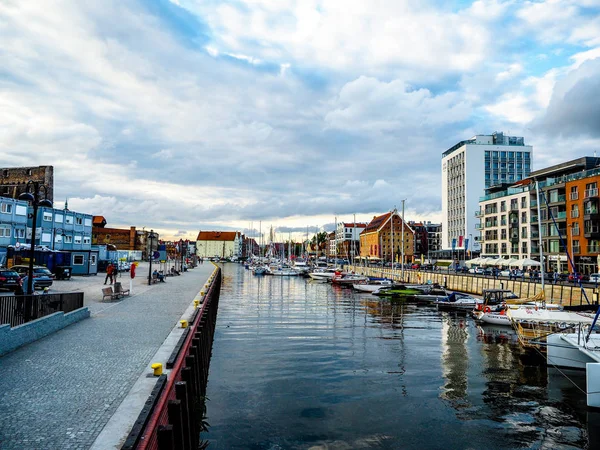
[454,244]
[460,241]
[467,243]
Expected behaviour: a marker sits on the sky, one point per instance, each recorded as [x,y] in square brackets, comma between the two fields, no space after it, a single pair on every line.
[184,115]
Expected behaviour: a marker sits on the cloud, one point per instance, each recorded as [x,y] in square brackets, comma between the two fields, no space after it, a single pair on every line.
[575,106]
[211,114]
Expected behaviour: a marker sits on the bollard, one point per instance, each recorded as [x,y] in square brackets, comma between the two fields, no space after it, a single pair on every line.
[184,323]
[157,367]
[196,303]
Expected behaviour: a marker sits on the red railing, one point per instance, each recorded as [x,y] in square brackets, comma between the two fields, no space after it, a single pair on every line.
[171,419]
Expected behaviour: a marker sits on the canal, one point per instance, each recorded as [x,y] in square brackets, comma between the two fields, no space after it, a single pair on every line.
[304,365]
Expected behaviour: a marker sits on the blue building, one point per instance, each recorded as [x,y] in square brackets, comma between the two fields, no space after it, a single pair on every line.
[13,224]
[69,231]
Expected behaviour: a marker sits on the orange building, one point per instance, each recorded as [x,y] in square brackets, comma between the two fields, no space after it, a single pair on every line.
[583,223]
[376,239]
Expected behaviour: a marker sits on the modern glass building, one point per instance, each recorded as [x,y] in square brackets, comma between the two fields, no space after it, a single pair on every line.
[470,167]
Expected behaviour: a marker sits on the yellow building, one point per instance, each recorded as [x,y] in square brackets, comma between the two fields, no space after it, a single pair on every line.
[221,244]
[376,239]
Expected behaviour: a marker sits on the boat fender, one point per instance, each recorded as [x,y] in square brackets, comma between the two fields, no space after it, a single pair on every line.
[487,309]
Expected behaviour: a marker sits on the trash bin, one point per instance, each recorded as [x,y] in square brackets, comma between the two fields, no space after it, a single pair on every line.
[63,272]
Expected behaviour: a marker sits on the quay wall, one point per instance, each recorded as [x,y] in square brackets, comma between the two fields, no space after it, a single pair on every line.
[562,294]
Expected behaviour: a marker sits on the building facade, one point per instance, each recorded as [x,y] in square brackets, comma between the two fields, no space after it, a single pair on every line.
[13,180]
[470,167]
[13,225]
[220,244]
[347,237]
[377,241]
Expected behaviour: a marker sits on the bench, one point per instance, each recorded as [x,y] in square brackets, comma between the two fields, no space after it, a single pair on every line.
[108,292]
[120,291]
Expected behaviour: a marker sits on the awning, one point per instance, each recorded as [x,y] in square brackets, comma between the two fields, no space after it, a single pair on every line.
[443,263]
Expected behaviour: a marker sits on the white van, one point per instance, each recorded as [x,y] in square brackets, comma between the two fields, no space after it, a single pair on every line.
[595,278]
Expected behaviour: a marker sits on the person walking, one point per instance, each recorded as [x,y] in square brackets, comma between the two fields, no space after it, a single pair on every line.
[109,273]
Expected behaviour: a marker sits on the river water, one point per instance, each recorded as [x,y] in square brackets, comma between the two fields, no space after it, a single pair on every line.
[304,365]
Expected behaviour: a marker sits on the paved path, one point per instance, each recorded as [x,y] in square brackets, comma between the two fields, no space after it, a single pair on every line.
[59,392]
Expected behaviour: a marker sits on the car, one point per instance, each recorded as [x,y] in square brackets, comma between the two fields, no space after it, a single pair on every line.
[9,279]
[461,269]
[510,274]
[477,270]
[594,278]
[41,275]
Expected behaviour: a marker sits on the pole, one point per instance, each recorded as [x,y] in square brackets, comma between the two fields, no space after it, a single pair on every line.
[392,240]
[403,240]
[572,255]
[150,258]
[29,299]
[543,266]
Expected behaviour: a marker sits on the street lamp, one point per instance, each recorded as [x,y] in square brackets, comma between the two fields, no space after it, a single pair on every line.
[34,199]
[150,236]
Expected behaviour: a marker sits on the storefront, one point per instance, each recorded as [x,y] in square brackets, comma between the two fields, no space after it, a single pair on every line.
[587,264]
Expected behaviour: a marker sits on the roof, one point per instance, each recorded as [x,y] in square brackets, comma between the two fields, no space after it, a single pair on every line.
[99,221]
[355,225]
[217,236]
[379,221]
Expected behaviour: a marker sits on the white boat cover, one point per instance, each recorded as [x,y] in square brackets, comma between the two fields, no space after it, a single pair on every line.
[550,316]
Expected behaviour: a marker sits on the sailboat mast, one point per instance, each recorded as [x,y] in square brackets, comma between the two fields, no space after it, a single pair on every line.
[537,193]
[402,241]
[335,243]
[392,240]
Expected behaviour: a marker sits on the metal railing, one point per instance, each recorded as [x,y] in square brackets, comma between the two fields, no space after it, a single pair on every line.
[591,193]
[12,307]
[574,195]
[172,417]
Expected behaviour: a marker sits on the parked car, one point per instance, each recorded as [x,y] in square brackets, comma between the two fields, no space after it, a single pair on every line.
[9,279]
[41,275]
[461,269]
[509,273]
[595,278]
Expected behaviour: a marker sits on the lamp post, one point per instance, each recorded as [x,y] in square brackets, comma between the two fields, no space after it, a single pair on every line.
[34,199]
[470,246]
[150,236]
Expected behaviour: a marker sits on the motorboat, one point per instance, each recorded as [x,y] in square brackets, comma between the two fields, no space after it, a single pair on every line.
[348,279]
[372,285]
[458,301]
[323,274]
[396,290]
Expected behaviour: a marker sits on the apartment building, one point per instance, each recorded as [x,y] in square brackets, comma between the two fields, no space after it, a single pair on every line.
[470,167]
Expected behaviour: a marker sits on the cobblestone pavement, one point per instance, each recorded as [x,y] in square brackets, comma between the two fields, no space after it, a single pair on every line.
[59,392]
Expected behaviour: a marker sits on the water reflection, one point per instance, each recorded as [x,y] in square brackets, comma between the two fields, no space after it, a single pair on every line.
[306,365]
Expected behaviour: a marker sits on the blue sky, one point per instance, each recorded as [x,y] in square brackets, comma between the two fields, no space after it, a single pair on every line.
[192,114]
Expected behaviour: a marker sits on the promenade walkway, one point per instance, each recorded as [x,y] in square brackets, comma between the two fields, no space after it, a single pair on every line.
[59,392]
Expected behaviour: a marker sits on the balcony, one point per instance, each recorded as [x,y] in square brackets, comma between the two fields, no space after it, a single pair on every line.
[534,219]
[574,213]
[532,203]
[591,215]
[574,196]
[591,193]
[557,199]
[593,248]
[514,238]
[479,226]
[479,214]
[592,232]
[561,215]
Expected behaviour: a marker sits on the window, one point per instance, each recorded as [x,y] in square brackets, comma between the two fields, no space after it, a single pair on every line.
[93,260]
[68,239]
[554,246]
[524,247]
[523,202]
[524,217]
[574,211]
[47,217]
[524,232]
[6,208]
[576,247]
[20,233]
[575,229]
[69,219]
[78,220]
[87,240]
[78,260]
[21,210]
[58,218]
[4,231]
[574,193]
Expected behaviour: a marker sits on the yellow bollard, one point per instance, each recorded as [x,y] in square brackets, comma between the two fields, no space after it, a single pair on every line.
[184,323]
[196,303]
[157,367]
[201,292]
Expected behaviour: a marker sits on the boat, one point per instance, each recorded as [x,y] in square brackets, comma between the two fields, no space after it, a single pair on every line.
[396,291]
[282,271]
[323,274]
[259,270]
[371,286]
[348,279]
[458,301]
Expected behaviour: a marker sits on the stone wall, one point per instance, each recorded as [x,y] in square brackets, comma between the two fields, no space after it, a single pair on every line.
[13,181]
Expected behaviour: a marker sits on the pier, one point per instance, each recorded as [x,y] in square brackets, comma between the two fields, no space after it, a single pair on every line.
[562,294]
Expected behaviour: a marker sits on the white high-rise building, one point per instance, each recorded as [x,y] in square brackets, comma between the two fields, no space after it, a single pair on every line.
[468,168]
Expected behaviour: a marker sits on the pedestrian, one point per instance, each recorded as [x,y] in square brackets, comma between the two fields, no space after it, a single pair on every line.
[109,273]
[555,277]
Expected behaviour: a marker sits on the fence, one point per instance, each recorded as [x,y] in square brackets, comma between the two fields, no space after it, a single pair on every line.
[172,417]
[566,295]
[12,307]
